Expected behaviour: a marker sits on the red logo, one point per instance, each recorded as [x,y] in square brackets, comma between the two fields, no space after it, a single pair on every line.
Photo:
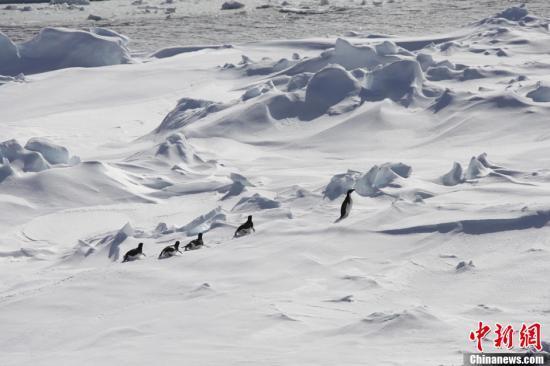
[529,335]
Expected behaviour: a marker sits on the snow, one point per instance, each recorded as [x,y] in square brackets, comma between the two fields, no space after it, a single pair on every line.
[232,5]
[540,94]
[444,141]
[53,153]
[57,48]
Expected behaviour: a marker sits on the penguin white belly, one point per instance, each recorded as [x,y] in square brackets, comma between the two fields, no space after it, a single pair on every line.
[348,207]
[135,257]
[243,232]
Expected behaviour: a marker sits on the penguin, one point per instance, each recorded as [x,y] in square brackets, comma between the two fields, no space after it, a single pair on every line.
[245,228]
[195,244]
[170,250]
[346,205]
[133,254]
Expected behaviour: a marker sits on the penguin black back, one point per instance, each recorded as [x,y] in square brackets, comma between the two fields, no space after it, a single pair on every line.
[195,244]
[133,252]
[170,250]
[247,226]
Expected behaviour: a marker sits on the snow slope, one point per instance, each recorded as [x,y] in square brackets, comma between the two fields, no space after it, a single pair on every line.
[445,142]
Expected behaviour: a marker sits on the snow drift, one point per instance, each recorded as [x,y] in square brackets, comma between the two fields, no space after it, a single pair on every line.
[57,48]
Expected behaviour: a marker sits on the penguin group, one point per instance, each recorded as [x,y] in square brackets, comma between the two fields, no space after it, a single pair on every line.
[172,250]
[244,229]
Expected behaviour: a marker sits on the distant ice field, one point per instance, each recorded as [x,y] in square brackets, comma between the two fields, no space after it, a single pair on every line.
[202,21]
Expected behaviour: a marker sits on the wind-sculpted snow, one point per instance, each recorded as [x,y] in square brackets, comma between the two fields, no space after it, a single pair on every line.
[173,51]
[9,79]
[187,111]
[454,176]
[340,184]
[326,88]
[175,152]
[204,223]
[540,94]
[367,184]
[388,324]
[53,153]
[445,144]
[58,48]
[351,57]
[38,154]
[254,203]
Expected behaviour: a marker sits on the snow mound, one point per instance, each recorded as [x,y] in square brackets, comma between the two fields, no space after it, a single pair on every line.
[243,124]
[394,81]
[5,169]
[53,153]
[113,242]
[106,32]
[177,148]
[340,184]
[514,13]
[58,48]
[232,5]
[265,66]
[464,266]
[237,187]
[444,100]
[388,323]
[104,246]
[188,110]
[327,88]
[257,90]
[17,156]
[351,57]
[232,190]
[298,81]
[255,203]
[370,183]
[204,223]
[9,54]
[476,169]
[8,79]
[540,94]
[38,154]
[173,51]
[454,176]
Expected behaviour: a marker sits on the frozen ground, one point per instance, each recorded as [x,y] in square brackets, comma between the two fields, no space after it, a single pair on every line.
[202,21]
[156,150]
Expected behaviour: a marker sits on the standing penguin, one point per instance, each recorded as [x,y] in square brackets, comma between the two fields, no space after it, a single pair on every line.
[346,205]
[195,244]
[133,254]
[245,228]
[170,250]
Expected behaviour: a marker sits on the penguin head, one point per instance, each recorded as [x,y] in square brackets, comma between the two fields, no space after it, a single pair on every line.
[140,246]
[350,191]
[200,235]
[249,217]
[177,245]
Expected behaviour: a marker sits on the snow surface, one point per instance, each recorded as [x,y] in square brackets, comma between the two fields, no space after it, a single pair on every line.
[155,24]
[175,146]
